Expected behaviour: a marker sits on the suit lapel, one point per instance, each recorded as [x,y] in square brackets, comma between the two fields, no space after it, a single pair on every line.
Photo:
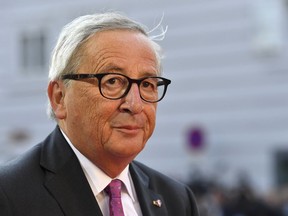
[151,203]
[65,179]
[66,182]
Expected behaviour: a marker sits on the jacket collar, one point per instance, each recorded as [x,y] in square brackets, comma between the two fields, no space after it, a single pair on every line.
[64,177]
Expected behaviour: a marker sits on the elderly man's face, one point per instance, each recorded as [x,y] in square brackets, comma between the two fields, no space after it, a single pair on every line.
[104,129]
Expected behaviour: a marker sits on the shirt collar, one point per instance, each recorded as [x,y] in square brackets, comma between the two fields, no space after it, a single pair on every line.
[97,179]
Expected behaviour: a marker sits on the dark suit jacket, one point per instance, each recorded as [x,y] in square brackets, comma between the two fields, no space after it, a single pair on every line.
[49,181]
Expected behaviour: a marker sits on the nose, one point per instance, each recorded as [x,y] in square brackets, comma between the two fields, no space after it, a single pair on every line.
[132,101]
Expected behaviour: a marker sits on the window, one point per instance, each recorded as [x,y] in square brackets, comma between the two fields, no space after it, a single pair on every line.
[33,47]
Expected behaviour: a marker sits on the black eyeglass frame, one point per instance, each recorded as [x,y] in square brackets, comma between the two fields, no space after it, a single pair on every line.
[99,77]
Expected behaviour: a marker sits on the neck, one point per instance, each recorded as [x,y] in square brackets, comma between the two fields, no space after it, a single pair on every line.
[114,167]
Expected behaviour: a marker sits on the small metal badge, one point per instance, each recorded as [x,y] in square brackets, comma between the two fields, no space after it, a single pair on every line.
[157,203]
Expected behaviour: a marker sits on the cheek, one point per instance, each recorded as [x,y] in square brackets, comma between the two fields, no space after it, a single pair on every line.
[87,109]
[95,125]
[151,120]
[78,106]
[99,115]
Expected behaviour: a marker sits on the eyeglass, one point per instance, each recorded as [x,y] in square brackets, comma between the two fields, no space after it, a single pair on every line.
[115,86]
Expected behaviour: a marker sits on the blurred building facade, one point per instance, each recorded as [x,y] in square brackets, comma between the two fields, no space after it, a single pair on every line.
[226,112]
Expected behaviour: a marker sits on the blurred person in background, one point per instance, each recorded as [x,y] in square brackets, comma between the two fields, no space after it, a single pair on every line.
[104,85]
[216,199]
[243,201]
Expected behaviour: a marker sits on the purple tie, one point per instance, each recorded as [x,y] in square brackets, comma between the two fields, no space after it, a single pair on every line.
[114,192]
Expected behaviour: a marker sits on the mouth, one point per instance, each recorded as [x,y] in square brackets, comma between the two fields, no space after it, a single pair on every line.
[128,129]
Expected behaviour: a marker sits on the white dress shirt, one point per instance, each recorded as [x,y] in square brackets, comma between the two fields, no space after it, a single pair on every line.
[98,180]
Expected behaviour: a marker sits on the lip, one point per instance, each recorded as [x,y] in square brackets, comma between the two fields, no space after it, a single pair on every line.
[128,129]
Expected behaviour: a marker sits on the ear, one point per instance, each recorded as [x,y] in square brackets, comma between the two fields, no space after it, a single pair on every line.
[56,93]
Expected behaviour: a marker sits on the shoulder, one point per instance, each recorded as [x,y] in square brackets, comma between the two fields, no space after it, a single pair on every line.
[31,163]
[21,170]
[160,182]
[18,178]
[156,177]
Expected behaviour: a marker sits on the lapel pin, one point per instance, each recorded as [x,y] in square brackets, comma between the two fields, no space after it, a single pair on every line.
[157,203]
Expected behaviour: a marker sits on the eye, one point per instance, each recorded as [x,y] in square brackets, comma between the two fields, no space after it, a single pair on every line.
[149,84]
[112,81]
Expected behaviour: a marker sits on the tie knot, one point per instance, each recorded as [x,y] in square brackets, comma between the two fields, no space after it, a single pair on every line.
[114,188]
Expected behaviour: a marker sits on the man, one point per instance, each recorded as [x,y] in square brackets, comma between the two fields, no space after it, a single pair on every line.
[104,87]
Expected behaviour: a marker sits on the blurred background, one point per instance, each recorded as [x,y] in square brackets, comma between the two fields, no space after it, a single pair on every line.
[223,126]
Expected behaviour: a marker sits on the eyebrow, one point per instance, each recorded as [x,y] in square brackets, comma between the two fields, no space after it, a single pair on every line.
[112,67]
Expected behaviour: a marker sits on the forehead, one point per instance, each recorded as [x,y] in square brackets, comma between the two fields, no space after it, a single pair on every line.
[119,47]
[120,37]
